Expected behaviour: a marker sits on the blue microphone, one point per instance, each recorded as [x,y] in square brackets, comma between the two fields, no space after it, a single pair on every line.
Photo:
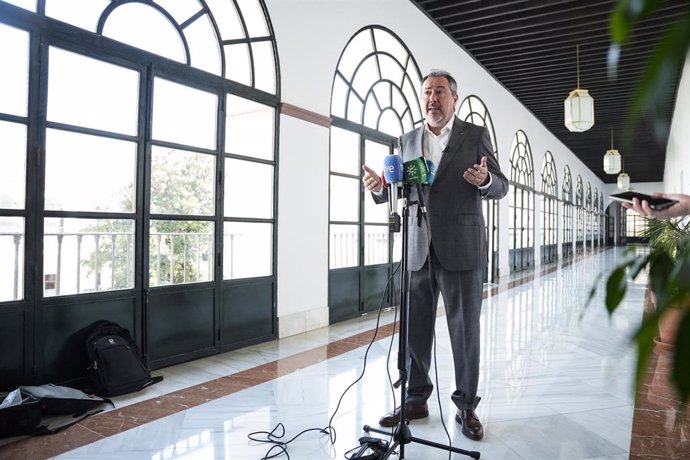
[431,173]
[393,175]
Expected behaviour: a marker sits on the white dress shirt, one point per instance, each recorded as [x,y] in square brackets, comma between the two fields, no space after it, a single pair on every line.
[434,145]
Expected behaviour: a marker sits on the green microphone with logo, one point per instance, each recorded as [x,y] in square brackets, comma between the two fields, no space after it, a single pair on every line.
[416,172]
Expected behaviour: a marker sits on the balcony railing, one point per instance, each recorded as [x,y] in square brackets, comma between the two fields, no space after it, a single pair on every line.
[344,249]
[81,262]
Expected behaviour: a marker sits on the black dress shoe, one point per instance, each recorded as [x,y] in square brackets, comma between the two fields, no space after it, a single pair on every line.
[391,419]
[471,426]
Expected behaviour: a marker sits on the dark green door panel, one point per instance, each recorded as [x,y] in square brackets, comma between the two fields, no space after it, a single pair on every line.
[64,324]
[180,324]
[247,314]
[12,355]
[343,294]
[373,287]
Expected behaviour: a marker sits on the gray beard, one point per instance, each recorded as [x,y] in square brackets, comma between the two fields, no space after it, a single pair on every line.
[436,123]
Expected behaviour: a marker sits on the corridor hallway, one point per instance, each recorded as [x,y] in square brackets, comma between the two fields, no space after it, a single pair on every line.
[556,383]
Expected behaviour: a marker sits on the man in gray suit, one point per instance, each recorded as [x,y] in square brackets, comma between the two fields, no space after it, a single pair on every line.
[447,251]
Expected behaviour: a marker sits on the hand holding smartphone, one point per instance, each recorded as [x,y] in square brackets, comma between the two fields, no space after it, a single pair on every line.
[656,204]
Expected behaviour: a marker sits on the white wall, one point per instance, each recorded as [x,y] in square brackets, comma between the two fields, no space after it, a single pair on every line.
[302,227]
[677,167]
[311,35]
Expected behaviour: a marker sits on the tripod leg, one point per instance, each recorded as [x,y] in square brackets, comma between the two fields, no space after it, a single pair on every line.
[457,450]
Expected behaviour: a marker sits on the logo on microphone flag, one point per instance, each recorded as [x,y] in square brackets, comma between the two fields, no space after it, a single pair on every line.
[415,171]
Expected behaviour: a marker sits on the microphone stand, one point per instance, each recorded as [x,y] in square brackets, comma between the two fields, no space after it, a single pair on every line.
[402,434]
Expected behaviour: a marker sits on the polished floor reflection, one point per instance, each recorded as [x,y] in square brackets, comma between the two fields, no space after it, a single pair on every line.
[556,383]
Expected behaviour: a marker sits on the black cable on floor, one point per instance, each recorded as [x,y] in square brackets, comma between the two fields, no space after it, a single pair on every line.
[275,436]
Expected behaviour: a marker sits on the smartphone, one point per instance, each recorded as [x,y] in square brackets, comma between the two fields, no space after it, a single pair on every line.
[655,203]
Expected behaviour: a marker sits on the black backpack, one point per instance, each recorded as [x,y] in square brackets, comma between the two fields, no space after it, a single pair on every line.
[115,366]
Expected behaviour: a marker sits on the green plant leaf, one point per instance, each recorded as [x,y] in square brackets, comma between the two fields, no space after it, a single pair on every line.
[625,15]
[680,277]
[616,285]
[644,337]
[660,72]
[680,375]
[637,265]
[660,269]
[593,289]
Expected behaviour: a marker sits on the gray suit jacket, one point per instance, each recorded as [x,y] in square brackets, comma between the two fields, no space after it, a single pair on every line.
[454,206]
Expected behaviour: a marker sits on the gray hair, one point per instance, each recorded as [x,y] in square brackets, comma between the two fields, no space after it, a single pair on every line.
[445,74]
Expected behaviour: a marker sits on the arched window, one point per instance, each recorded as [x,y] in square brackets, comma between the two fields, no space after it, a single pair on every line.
[473,110]
[602,219]
[596,218]
[521,204]
[155,118]
[549,210]
[567,213]
[579,216]
[589,221]
[377,83]
[375,99]
[218,37]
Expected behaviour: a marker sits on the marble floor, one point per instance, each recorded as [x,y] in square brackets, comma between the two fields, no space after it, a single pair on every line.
[556,383]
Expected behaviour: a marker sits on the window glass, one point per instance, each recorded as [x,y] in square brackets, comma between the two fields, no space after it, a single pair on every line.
[182,182]
[181,10]
[226,18]
[344,151]
[89,173]
[253,17]
[264,67]
[249,128]
[248,189]
[389,123]
[87,255]
[146,28]
[397,246]
[26,4]
[247,250]
[180,252]
[343,247]
[339,96]
[100,95]
[13,169]
[79,13]
[184,115]
[375,244]
[360,46]
[385,41]
[345,199]
[366,74]
[237,63]
[12,242]
[374,154]
[15,71]
[203,45]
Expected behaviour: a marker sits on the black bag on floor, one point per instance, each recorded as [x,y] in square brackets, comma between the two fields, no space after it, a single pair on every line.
[20,419]
[58,400]
[115,366]
[47,409]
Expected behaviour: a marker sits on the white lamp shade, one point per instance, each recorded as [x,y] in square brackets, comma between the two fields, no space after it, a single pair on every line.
[623,181]
[579,110]
[612,162]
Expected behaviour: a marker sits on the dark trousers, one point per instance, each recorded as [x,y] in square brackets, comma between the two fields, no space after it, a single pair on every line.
[462,296]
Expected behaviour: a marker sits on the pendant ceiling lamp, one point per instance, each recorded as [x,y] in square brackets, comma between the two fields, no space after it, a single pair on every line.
[612,159]
[623,181]
[579,105]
